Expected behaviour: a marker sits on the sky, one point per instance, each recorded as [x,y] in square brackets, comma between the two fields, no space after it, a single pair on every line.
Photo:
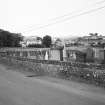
[57,18]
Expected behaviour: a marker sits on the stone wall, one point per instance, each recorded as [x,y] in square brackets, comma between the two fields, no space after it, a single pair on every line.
[88,72]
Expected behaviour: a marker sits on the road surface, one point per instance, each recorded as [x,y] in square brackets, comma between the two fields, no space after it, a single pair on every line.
[18,89]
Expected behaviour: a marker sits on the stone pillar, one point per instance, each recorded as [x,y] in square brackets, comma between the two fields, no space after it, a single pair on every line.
[46,56]
[64,52]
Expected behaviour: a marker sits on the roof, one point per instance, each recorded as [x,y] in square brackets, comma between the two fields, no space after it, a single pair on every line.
[25,49]
[80,49]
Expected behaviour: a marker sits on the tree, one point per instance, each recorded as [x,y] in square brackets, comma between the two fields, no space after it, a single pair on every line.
[16,39]
[47,41]
[8,39]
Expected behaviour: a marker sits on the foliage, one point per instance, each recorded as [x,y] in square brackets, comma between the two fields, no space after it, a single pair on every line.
[47,41]
[39,38]
[8,39]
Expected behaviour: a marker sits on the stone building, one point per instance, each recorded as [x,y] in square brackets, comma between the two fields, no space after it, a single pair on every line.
[89,54]
[99,55]
[75,54]
[56,54]
[32,53]
[36,53]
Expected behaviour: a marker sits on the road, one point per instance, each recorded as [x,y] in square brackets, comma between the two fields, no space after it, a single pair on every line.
[18,89]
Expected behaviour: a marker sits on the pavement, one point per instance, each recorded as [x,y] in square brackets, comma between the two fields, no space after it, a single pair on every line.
[17,88]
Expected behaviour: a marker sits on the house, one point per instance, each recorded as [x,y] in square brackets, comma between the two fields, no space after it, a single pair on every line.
[99,55]
[75,54]
[91,39]
[32,53]
[35,53]
[57,42]
[84,54]
[32,40]
[89,54]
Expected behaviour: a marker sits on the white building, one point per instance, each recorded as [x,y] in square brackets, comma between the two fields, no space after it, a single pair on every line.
[32,40]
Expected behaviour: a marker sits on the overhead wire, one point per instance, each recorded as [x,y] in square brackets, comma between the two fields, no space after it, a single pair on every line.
[100,2]
[68,17]
[63,16]
[59,17]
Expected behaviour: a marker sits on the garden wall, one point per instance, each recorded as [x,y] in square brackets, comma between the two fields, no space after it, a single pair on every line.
[94,73]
